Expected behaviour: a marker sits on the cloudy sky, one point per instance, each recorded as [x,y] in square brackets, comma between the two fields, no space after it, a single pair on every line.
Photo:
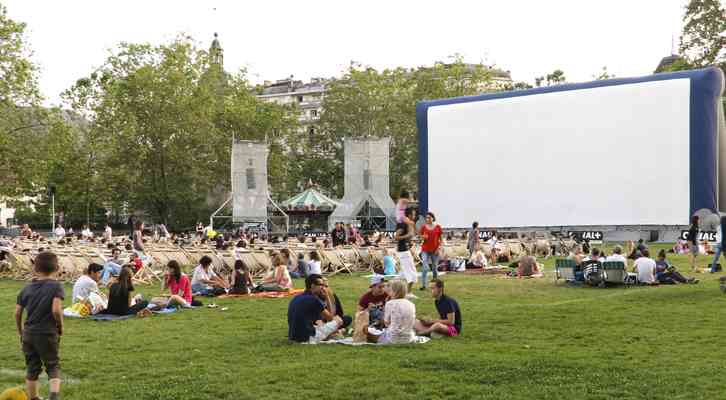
[274,39]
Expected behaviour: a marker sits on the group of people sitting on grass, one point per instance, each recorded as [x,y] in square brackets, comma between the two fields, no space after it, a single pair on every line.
[178,288]
[645,270]
[384,313]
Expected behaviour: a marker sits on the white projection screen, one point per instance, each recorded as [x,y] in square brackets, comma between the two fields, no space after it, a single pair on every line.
[616,152]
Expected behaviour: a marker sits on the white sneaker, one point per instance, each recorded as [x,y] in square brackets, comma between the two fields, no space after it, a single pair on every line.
[411,296]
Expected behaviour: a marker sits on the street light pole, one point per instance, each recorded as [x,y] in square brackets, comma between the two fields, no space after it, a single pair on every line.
[52,202]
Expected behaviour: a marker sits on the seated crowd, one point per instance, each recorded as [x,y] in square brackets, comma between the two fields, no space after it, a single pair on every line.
[645,270]
[384,316]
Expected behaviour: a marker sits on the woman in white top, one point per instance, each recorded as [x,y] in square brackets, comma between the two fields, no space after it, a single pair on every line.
[108,233]
[279,280]
[399,316]
[314,264]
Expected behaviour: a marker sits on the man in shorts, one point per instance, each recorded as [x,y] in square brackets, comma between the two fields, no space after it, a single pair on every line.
[404,232]
[449,322]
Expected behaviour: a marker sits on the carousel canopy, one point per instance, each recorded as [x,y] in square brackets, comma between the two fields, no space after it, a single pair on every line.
[310,199]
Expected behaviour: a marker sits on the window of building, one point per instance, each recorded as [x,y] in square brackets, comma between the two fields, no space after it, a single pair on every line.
[313,113]
[299,99]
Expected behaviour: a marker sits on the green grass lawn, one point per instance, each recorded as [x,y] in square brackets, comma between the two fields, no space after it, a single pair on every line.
[528,339]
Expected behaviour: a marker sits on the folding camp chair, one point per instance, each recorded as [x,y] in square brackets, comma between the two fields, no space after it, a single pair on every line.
[615,272]
[565,269]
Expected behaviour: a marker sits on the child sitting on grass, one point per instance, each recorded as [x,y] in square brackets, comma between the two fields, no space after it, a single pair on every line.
[41,299]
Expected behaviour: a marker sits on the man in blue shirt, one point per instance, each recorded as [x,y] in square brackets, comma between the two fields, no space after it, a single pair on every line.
[306,314]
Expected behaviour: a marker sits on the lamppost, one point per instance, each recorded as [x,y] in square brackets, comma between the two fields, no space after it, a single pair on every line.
[51,194]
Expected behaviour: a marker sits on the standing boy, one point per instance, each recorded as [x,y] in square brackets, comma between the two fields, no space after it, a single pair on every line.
[40,336]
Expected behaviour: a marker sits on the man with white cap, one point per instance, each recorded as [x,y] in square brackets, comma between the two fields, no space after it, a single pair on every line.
[374,300]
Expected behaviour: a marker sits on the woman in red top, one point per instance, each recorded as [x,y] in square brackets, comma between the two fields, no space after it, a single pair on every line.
[179,286]
[431,235]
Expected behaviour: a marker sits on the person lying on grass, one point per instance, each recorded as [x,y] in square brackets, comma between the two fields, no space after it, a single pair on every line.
[177,286]
[399,316]
[306,314]
[278,280]
[241,279]
[205,281]
[120,301]
[449,322]
[41,300]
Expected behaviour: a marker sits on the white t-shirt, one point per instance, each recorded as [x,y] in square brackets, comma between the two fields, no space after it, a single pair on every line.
[201,275]
[60,231]
[645,268]
[83,287]
[86,233]
[314,268]
[108,233]
[617,257]
[401,315]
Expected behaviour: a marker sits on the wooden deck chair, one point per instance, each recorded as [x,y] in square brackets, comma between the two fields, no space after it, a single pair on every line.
[227,258]
[564,269]
[256,270]
[262,259]
[347,258]
[615,272]
[330,262]
[364,257]
[158,257]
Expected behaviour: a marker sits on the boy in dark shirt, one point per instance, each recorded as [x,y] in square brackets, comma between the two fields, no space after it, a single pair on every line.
[41,299]
[449,322]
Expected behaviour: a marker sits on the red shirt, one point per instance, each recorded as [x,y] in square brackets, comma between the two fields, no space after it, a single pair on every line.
[369,298]
[138,264]
[432,243]
[182,288]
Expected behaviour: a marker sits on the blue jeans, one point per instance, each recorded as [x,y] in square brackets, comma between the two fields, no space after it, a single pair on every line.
[426,260]
[716,255]
[201,288]
[109,268]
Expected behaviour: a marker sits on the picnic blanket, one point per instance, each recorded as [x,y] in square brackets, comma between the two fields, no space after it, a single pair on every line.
[392,276]
[108,317]
[487,271]
[349,342]
[111,317]
[271,295]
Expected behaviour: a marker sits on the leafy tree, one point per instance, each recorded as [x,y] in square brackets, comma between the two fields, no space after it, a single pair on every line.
[160,132]
[557,77]
[603,74]
[703,41]
[21,121]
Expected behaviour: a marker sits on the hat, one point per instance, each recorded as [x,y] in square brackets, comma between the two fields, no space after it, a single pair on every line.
[376,279]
